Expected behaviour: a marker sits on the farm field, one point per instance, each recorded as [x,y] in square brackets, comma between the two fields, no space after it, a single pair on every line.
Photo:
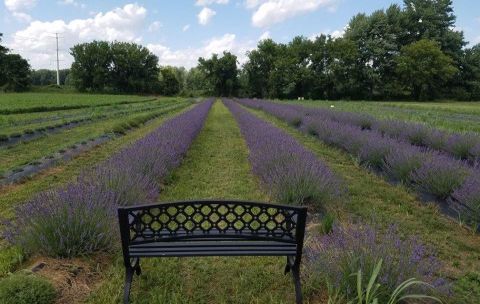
[455,116]
[233,149]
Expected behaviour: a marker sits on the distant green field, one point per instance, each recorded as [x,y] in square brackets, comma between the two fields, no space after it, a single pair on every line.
[454,116]
[23,102]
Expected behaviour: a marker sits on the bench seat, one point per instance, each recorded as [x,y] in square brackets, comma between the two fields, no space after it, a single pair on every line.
[213,248]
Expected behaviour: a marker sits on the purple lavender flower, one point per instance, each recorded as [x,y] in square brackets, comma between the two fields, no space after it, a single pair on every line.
[440,175]
[291,173]
[466,199]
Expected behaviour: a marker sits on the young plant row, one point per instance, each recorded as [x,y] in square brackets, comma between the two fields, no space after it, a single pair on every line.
[79,218]
[428,171]
[292,174]
[30,134]
[54,107]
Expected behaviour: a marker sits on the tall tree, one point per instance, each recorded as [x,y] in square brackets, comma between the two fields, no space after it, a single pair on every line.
[134,68]
[169,82]
[424,68]
[14,71]
[259,67]
[221,73]
[91,66]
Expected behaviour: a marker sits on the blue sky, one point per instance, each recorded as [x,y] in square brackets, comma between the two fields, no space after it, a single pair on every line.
[179,31]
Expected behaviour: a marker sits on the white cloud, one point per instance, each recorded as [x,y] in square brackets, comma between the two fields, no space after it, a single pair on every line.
[189,57]
[19,5]
[186,27]
[270,12]
[209,2]
[253,3]
[72,2]
[265,35]
[24,17]
[36,43]
[334,34]
[154,26]
[205,15]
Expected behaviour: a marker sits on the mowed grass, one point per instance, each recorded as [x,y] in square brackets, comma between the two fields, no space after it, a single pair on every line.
[17,101]
[452,116]
[216,166]
[373,200]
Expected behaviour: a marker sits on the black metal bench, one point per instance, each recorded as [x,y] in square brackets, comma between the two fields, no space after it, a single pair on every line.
[212,228]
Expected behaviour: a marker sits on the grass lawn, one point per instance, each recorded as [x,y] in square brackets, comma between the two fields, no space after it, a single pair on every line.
[453,116]
[216,166]
[373,200]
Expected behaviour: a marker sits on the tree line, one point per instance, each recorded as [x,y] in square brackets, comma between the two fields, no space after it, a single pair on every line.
[14,70]
[402,52]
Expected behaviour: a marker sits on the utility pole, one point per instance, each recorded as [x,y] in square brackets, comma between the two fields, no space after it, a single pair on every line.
[58,64]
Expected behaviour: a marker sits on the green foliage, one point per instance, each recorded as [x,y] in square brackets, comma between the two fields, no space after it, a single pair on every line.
[26,289]
[467,287]
[169,83]
[424,68]
[220,73]
[379,56]
[369,293]
[119,66]
[14,71]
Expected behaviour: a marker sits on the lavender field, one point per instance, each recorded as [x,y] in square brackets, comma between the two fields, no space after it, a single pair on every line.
[391,201]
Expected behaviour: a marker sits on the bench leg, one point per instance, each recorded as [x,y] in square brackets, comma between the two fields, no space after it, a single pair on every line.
[128,284]
[298,286]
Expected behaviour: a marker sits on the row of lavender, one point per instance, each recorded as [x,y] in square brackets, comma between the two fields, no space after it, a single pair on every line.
[426,170]
[291,173]
[463,146]
[79,218]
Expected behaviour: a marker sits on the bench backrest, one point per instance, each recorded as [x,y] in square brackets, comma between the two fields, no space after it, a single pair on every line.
[213,220]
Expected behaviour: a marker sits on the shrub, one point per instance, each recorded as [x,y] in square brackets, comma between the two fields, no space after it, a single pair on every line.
[332,259]
[466,200]
[71,221]
[460,145]
[401,162]
[26,289]
[439,175]
[374,151]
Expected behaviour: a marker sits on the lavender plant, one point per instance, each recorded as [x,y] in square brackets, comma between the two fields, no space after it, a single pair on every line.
[71,221]
[401,162]
[466,200]
[440,175]
[79,219]
[291,173]
[332,259]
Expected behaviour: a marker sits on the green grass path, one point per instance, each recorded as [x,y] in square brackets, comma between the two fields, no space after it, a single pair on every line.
[216,166]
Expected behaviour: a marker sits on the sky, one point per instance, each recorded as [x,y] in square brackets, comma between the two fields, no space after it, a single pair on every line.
[180,31]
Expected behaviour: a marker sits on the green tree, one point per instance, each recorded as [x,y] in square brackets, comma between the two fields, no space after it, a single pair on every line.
[220,73]
[133,68]
[91,66]
[424,68]
[195,82]
[169,83]
[14,71]
[259,67]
